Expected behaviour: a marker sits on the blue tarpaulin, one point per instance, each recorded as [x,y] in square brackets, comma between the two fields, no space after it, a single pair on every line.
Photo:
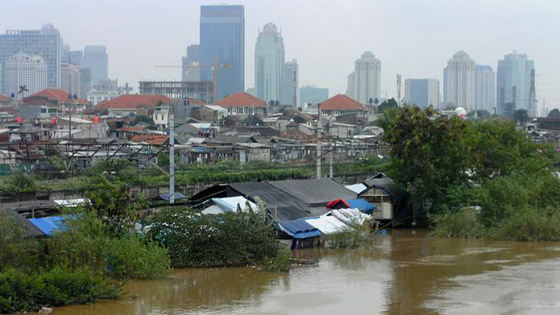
[298,229]
[361,204]
[178,196]
[48,225]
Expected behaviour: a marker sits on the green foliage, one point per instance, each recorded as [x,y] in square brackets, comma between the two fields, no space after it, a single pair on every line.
[16,249]
[231,239]
[530,224]
[521,116]
[386,105]
[56,287]
[463,224]
[432,156]
[85,243]
[17,183]
[280,263]
[353,236]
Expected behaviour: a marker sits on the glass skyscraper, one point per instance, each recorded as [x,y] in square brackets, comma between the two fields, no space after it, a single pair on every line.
[269,64]
[514,84]
[45,42]
[421,92]
[222,42]
[96,59]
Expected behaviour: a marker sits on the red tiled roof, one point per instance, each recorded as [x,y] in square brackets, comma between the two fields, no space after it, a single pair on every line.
[240,99]
[341,102]
[150,139]
[133,101]
[4,98]
[58,95]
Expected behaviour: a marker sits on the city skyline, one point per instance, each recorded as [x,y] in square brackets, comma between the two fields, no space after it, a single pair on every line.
[401,34]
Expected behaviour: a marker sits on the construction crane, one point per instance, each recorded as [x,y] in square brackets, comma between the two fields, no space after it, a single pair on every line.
[213,68]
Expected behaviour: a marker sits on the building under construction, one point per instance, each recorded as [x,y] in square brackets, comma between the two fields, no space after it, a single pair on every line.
[197,90]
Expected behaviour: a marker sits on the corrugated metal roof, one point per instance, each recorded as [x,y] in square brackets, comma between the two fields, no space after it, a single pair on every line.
[298,229]
[315,192]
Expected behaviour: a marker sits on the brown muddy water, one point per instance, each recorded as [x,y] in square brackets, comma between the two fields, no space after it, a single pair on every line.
[405,272]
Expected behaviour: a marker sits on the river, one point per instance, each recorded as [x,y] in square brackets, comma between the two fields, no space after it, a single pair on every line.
[405,272]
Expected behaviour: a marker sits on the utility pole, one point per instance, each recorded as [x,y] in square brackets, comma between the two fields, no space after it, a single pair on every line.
[171,155]
[319,141]
[331,153]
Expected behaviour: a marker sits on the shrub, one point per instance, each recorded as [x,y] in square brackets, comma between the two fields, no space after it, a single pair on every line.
[353,236]
[86,244]
[281,263]
[530,224]
[231,239]
[57,287]
[16,249]
[464,223]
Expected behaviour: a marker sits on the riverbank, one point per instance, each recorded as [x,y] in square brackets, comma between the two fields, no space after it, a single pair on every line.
[405,272]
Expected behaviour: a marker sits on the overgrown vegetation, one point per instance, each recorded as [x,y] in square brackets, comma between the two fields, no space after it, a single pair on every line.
[474,178]
[354,236]
[230,239]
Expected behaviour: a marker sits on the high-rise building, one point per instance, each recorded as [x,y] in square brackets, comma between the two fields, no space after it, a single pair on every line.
[367,79]
[485,89]
[515,74]
[45,42]
[269,64]
[312,95]
[222,43]
[291,84]
[71,79]
[459,81]
[96,59]
[191,64]
[351,85]
[75,57]
[25,70]
[421,92]
[85,82]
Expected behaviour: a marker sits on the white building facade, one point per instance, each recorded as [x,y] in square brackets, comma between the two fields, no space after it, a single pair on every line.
[459,81]
[25,70]
[366,79]
[269,64]
[70,78]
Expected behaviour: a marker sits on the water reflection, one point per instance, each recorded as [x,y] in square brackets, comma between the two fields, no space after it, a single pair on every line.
[405,272]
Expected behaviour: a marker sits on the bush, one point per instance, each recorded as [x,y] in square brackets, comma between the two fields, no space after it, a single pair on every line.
[353,236]
[530,224]
[464,223]
[16,249]
[86,244]
[231,239]
[57,287]
[136,259]
[17,183]
[281,263]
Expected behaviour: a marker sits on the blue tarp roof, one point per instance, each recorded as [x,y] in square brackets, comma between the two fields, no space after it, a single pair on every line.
[167,196]
[298,229]
[48,225]
[361,204]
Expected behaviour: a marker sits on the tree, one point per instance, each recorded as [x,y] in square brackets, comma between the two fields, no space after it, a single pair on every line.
[479,114]
[554,113]
[390,103]
[521,116]
[252,120]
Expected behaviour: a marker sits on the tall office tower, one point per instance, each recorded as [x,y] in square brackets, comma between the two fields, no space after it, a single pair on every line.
[367,78]
[485,89]
[26,70]
[421,92]
[71,79]
[458,81]
[351,85]
[65,53]
[312,95]
[290,87]
[191,64]
[96,59]
[76,57]
[85,82]
[269,64]
[222,44]
[515,74]
[45,42]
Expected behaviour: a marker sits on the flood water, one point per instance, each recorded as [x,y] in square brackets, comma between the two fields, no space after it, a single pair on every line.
[405,272]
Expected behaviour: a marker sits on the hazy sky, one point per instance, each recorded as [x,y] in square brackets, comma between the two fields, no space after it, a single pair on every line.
[411,37]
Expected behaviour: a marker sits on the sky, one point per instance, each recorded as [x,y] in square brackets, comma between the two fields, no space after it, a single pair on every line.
[412,37]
